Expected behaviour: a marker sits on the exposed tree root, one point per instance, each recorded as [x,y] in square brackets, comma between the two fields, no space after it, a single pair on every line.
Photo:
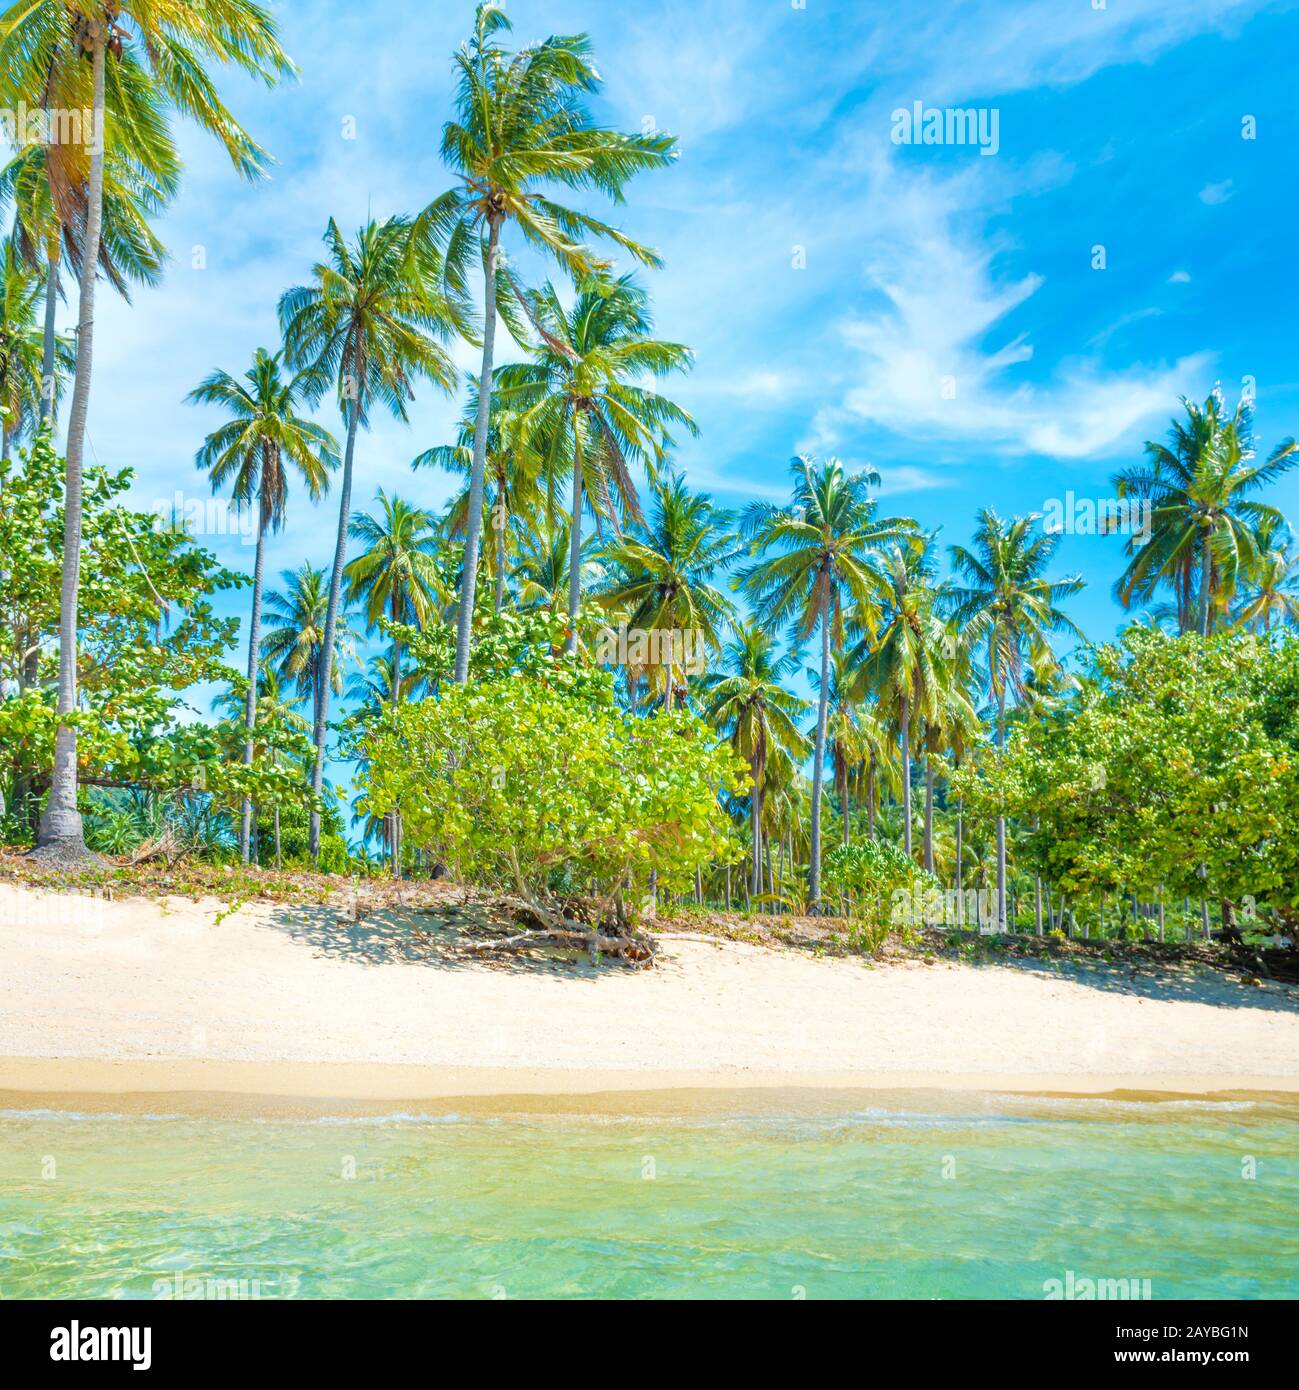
[554,929]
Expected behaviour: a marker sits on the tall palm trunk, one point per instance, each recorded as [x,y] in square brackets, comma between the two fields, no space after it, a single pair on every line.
[498,525]
[395,699]
[250,702]
[906,775]
[325,670]
[841,772]
[1001,821]
[53,254]
[755,817]
[474,521]
[60,834]
[870,799]
[1206,578]
[575,549]
[929,817]
[818,766]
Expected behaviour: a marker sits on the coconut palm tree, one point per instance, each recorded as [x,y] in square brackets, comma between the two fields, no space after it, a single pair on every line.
[276,713]
[898,659]
[540,575]
[141,174]
[397,575]
[1202,523]
[22,346]
[294,646]
[370,325]
[514,467]
[41,44]
[660,575]
[1272,581]
[748,702]
[580,395]
[521,125]
[1002,598]
[252,453]
[818,556]
[844,735]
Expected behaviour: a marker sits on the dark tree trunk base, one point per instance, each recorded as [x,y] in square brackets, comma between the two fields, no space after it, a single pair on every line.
[65,855]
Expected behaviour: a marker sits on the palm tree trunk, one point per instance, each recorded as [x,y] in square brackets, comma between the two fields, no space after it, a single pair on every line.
[818,766]
[53,255]
[60,836]
[843,800]
[575,550]
[474,520]
[959,885]
[1206,578]
[1001,821]
[395,698]
[906,776]
[870,799]
[325,671]
[250,702]
[755,815]
[279,852]
[498,525]
[929,817]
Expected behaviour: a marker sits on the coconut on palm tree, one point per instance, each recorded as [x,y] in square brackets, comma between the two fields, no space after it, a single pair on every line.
[1203,519]
[370,325]
[817,558]
[1002,601]
[169,42]
[252,454]
[522,127]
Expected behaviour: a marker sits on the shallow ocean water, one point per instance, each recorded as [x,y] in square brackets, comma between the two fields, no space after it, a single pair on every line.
[948,1197]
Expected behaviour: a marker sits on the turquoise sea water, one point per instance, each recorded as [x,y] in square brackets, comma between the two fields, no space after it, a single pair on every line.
[955,1197]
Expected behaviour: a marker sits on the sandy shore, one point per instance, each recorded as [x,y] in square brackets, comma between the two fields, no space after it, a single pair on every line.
[132,997]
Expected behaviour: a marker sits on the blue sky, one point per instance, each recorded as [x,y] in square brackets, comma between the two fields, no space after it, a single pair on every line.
[828,279]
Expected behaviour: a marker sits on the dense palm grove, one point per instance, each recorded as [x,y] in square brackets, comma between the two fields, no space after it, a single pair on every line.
[581,681]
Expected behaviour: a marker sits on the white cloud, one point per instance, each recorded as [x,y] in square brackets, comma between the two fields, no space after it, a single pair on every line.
[1214,193]
[937,359]
[1179,277]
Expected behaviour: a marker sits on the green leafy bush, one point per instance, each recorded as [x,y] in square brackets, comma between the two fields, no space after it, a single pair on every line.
[548,789]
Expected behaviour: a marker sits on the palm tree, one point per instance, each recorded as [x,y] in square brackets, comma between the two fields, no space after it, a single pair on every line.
[250,453]
[843,731]
[370,324]
[1272,580]
[47,185]
[541,574]
[899,662]
[514,467]
[1002,598]
[294,647]
[276,712]
[824,552]
[40,47]
[1202,527]
[521,124]
[748,702]
[22,346]
[661,576]
[579,395]
[397,575]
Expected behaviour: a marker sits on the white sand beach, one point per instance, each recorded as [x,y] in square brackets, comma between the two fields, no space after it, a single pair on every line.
[137,995]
